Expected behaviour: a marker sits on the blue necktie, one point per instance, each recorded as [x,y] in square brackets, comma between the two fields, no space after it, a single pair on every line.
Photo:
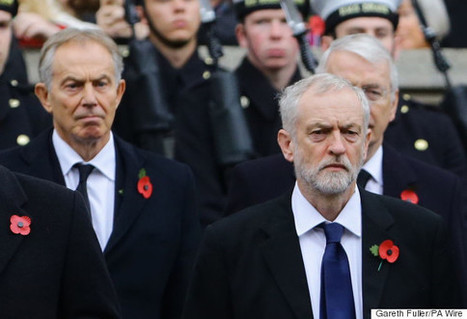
[336,287]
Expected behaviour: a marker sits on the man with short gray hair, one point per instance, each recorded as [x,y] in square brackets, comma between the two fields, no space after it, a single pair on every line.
[313,253]
[362,60]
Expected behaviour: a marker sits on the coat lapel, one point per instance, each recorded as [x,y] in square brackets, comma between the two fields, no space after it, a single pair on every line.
[12,198]
[283,256]
[376,222]
[129,203]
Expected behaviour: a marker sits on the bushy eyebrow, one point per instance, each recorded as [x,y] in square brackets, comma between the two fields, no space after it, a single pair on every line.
[80,80]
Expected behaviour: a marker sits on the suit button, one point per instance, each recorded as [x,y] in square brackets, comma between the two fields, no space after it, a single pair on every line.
[14,103]
[421,144]
[406,97]
[125,52]
[14,83]
[22,139]
[244,101]
[404,109]
[206,75]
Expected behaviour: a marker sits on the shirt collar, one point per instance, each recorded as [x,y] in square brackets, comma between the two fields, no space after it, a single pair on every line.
[374,166]
[104,161]
[306,217]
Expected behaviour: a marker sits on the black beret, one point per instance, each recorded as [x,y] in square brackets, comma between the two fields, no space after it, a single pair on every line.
[245,7]
[9,6]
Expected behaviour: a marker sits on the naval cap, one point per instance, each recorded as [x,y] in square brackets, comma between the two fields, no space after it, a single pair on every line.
[245,7]
[334,12]
[10,6]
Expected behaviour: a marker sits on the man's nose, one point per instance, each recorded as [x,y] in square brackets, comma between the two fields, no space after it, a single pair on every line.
[89,95]
[337,146]
[276,29]
[179,5]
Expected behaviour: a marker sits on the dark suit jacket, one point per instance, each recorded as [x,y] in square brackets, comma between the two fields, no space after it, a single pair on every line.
[256,181]
[57,270]
[250,264]
[151,248]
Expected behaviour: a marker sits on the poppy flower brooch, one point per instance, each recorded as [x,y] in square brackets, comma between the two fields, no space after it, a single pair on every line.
[144,184]
[386,251]
[20,225]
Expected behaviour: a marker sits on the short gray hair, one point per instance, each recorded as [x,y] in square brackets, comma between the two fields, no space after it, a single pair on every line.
[367,47]
[81,36]
[320,83]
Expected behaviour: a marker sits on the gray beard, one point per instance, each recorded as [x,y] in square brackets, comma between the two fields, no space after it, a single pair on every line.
[329,183]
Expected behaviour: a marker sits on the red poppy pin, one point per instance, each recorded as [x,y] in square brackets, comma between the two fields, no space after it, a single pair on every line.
[409,196]
[20,224]
[386,251]
[144,184]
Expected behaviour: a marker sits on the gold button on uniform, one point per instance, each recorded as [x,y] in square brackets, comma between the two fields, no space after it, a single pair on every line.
[421,144]
[125,52]
[14,83]
[22,139]
[244,101]
[406,96]
[206,75]
[14,103]
[209,61]
[405,109]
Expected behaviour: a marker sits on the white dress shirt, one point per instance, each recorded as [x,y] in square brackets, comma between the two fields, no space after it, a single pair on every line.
[313,243]
[374,166]
[100,183]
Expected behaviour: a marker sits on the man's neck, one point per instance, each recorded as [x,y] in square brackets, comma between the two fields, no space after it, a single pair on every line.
[88,149]
[278,78]
[372,148]
[329,206]
[177,57]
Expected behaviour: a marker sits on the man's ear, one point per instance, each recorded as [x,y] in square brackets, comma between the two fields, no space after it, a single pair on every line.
[142,16]
[241,36]
[326,41]
[120,90]
[394,105]
[42,94]
[396,47]
[286,144]
[367,144]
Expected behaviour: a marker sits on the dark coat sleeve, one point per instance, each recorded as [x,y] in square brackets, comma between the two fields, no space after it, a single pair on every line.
[182,268]
[208,294]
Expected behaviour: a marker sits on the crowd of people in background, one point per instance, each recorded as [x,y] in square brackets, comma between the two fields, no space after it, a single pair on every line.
[208,193]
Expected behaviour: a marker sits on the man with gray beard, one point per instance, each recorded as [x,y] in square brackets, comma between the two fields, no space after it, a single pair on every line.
[363,61]
[328,249]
